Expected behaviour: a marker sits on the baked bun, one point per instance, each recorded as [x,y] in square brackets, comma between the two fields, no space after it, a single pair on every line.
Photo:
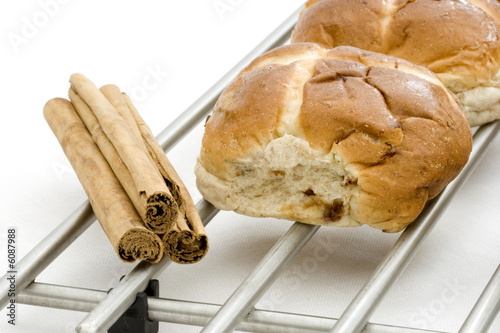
[457,40]
[338,137]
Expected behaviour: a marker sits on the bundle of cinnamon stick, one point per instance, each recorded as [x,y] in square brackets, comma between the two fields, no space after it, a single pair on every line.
[138,198]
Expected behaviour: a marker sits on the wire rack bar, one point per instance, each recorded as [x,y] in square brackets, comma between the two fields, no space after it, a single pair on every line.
[33,263]
[120,298]
[366,301]
[203,105]
[191,313]
[486,309]
[240,303]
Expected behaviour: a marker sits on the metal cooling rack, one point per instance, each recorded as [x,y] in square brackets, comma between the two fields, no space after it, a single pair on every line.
[238,311]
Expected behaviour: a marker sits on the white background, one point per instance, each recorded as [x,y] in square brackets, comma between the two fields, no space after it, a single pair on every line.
[190,45]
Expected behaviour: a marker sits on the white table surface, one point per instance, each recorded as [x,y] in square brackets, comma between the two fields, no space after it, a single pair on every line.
[189,45]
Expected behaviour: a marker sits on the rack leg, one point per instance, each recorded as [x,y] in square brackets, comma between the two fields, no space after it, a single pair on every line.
[135,319]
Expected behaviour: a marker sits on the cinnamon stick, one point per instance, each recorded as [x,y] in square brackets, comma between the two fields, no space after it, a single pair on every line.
[112,207]
[126,155]
[187,241]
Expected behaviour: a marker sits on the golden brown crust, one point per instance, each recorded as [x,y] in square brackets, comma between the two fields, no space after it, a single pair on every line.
[338,102]
[491,7]
[246,117]
[473,53]
[396,133]
[458,38]
[328,23]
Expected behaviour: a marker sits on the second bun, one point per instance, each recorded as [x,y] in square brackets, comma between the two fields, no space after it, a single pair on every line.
[457,40]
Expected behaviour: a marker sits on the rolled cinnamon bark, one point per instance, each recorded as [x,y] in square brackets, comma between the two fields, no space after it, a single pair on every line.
[115,98]
[183,245]
[112,207]
[126,155]
[187,241]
